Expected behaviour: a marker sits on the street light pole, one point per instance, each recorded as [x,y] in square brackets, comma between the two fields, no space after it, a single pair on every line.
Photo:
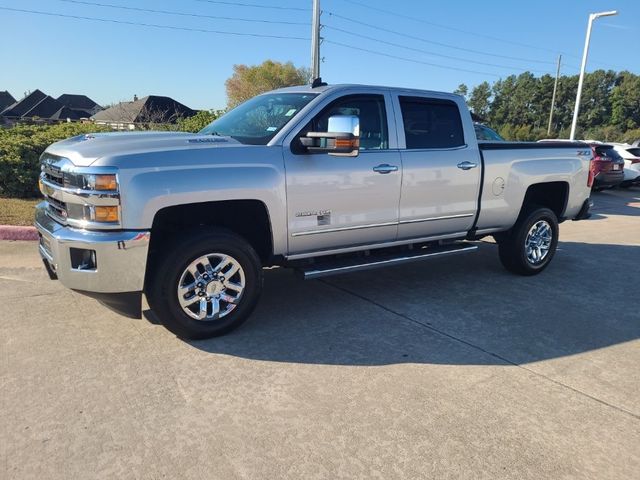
[585,53]
[315,41]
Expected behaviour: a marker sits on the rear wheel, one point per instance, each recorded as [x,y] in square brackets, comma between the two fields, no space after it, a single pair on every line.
[206,284]
[531,244]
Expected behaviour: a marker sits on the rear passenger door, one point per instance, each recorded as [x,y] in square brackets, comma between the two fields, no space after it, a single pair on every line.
[441,167]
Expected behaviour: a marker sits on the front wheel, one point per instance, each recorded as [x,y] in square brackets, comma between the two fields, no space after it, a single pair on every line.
[207,284]
[531,244]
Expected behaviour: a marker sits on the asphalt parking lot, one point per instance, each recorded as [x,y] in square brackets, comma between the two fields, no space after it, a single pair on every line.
[450,368]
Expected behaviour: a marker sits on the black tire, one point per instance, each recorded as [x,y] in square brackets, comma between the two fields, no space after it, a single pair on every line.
[512,247]
[174,259]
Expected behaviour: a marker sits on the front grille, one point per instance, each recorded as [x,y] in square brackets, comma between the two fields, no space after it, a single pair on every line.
[53,174]
[69,195]
[57,209]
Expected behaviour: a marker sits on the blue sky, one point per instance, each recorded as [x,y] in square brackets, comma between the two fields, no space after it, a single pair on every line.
[112,61]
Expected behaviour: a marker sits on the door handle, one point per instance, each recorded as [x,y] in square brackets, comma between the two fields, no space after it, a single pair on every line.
[385,168]
[467,165]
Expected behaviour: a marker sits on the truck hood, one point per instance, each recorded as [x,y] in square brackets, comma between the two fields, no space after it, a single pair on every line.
[84,150]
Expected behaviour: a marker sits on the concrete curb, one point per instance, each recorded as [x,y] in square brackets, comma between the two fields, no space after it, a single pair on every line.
[13,232]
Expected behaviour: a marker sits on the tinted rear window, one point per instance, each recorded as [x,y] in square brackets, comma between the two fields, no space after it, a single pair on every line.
[608,152]
[431,123]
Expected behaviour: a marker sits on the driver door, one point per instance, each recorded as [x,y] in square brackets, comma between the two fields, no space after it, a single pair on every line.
[336,202]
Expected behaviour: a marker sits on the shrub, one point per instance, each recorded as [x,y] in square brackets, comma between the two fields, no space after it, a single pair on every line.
[198,121]
[20,150]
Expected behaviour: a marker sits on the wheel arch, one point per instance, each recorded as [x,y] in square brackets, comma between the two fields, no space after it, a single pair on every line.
[248,218]
[552,195]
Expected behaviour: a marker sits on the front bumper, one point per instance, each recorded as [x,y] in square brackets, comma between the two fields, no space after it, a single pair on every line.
[120,258]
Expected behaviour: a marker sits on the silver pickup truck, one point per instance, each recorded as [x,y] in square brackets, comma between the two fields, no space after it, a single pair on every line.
[325,180]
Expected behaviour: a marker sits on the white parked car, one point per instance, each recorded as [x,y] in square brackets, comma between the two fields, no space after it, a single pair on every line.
[631,157]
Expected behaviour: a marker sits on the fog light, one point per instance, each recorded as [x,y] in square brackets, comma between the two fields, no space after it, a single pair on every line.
[105,214]
[83,259]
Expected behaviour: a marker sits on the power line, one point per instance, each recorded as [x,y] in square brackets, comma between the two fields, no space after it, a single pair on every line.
[481,35]
[255,5]
[168,12]
[412,60]
[433,42]
[446,27]
[153,25]
[450,57]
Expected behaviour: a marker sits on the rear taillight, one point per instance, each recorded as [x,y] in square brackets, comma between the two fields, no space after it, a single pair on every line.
[634,160]
[591,176]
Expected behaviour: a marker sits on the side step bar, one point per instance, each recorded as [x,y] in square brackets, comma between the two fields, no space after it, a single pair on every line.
[336,267]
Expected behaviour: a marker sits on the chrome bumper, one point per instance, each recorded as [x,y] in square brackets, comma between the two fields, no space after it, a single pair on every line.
[121,256]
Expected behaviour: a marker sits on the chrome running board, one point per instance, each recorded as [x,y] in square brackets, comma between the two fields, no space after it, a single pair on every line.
[348,265]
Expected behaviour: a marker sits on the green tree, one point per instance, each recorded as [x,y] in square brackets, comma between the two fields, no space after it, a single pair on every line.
[462,90]
[502,92]
[249,81]
[625,101]
[480,102]
[595,104]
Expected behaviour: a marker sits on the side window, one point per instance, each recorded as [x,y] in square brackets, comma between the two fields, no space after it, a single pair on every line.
[431,123]
[371,112]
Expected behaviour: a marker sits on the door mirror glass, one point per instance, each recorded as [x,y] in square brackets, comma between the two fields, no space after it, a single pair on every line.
[342,137]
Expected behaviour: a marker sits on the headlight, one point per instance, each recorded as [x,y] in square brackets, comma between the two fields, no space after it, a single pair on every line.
[101,182]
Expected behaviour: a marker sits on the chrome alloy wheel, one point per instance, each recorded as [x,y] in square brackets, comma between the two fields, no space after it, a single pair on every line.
[211,286]
[538,242]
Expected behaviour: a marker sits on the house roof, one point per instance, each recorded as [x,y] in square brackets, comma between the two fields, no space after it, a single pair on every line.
[66,112]
[19,108]
[6,99]
[78,102]
[41,105]
[44,108]
[149,109]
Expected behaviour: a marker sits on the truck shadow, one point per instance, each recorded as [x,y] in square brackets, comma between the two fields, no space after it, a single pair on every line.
[460,310]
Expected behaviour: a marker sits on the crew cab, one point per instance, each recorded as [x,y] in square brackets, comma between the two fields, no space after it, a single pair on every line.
[323,179]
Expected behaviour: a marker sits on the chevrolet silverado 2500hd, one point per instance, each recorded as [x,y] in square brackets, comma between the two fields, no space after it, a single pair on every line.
[324,179]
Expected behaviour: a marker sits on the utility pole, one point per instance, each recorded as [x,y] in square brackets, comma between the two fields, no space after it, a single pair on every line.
[315,41]
[553,98]
[585,53]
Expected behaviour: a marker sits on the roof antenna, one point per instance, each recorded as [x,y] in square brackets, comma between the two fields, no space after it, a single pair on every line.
[317,82]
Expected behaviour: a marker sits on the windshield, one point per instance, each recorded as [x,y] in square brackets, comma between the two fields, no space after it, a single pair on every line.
[256,121]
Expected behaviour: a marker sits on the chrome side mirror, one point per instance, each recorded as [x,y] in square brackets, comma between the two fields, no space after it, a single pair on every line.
[341,139]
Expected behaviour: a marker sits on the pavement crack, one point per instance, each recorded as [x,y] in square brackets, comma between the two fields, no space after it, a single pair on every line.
[479,348]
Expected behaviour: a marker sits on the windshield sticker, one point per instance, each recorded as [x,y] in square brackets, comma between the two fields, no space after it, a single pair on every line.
[290,112]
[271,129]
